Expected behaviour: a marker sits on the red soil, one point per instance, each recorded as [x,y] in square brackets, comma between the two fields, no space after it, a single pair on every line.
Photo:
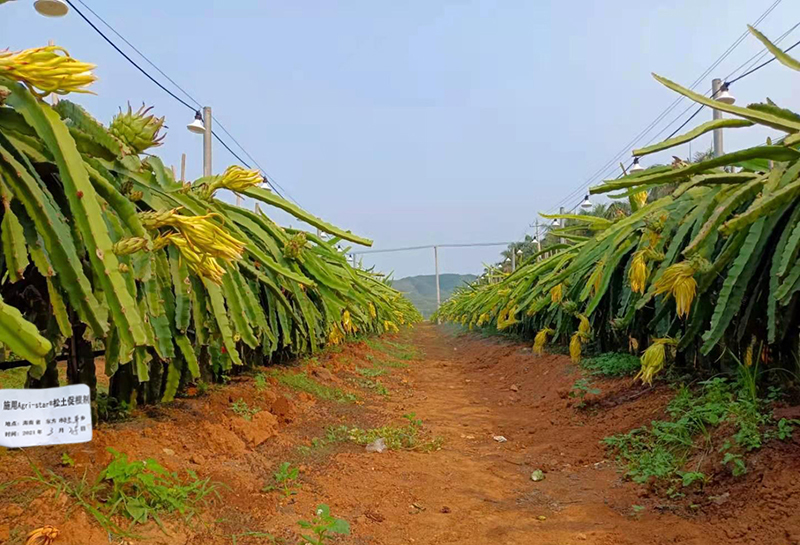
[475,490]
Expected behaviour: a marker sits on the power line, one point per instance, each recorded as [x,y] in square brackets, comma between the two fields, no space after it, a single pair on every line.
[275,185]
[430,246]
[612,162]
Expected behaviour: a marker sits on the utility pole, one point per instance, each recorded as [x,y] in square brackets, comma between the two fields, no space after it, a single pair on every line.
[183,167]
[513,259]
[561,224]
[716,89]
[207,135]
[436,264]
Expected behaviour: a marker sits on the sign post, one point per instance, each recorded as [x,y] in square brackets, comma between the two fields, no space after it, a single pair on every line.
[49,416]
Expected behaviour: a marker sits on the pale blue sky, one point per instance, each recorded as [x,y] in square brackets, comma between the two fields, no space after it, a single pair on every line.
[423,121]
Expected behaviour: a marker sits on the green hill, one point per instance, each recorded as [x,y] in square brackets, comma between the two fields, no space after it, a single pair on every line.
[421,290]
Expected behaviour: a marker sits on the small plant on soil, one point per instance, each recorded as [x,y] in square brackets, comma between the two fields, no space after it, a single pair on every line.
[241,408]
[202,387]
[140,490]
[376,385]
[393,364]
[304,383]
[612,364]
[66,460]
[109,409]
[664,449]
[371,372]
[333,434]
[323,527]
[408,437]
[580,389]
[285,480]
[261,382]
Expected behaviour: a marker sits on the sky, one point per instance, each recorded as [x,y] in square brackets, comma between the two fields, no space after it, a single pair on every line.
[425,121]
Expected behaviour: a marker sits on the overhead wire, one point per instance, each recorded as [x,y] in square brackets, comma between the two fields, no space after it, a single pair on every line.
[612,163]
[271,180]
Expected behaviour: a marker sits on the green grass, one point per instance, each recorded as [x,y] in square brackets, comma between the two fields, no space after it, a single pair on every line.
[612,364]
[333,435]
[371,372]
[672,450]
[301,381]
[395,350]
[240,408]
[376,385]
[407,437]
[139,491]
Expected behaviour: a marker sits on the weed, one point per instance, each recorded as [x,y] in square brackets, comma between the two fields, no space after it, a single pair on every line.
[393,364]
[140,490]
[785,428]
[66,460]
[322,526]
[109,409]
[261,382]
[260,535]
[371,372]
[736,463]
[408,437]
[580,389]
[612,364]
[241,408]
[376,385]
[202,387]
[689,478]
[664,448]
[285,479]
[333,434]
[304,383]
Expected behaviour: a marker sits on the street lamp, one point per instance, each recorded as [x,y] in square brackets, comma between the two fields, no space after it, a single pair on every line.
[636,167]
[51,8]
[197,126]
[586,204]
[724,95]
[202,125]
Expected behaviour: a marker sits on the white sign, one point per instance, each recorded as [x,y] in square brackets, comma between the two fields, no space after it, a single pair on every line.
[50,416]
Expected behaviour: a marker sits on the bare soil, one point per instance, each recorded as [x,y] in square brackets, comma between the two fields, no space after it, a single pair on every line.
[474,490]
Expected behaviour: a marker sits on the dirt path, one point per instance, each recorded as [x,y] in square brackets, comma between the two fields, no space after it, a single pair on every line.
[474,490]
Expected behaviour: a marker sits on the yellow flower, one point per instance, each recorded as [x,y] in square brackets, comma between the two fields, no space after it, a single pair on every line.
[49,69]
[748,354]
[372,313]
[347,323]
[390,326]
[640,198]
[540,340]
[678,281]
[235,178]
[653,359]
[557,293]
[507,318]
[202,264]
[575,347]
[203,235]
[585,327]
[637,274]
[335,336]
